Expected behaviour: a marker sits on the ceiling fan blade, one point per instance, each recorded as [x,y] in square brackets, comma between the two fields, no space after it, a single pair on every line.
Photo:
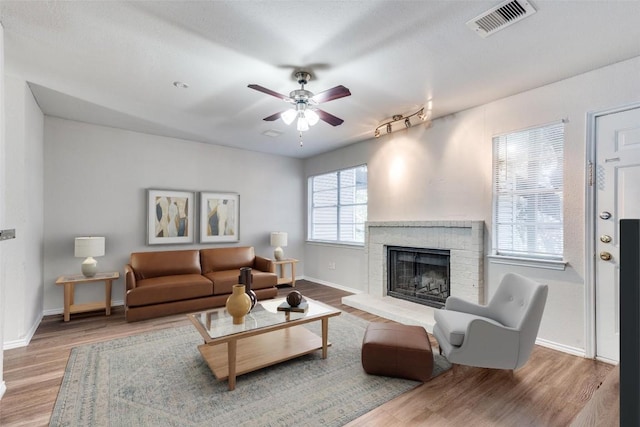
[270,92]
[331,94]
[329,118]
[273,117]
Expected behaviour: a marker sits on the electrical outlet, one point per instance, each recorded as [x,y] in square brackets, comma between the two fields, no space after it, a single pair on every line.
[332,265]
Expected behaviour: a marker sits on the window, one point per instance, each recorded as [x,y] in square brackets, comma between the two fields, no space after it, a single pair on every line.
[338,206]
[528,193]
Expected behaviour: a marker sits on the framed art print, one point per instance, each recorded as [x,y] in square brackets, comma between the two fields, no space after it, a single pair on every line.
[219,217]
[170,217]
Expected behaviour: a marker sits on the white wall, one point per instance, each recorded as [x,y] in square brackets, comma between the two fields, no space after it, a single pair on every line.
[24,211]
[444,172]
[95,184]
[3,203]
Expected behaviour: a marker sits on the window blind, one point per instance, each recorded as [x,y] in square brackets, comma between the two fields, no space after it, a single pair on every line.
[528,192]
[338,205]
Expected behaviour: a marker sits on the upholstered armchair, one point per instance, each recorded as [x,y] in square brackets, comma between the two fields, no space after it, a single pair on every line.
[499,335]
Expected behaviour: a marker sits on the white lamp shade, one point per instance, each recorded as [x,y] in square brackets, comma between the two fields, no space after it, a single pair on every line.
[89,247]
[279,238]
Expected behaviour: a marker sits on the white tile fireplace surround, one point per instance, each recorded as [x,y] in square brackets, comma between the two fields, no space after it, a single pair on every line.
[464,240]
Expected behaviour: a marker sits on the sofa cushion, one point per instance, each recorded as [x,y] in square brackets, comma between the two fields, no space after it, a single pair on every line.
[263,279]
[168,289]
[165,263]
[224,280]
[454,324]
[221,259]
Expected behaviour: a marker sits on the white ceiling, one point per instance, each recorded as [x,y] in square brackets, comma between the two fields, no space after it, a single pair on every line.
[113,63]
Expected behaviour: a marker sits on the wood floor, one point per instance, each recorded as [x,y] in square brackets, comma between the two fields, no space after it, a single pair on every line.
[550,390]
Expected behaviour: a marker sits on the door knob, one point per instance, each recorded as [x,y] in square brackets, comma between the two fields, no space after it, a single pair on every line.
[605,238]
[605,256]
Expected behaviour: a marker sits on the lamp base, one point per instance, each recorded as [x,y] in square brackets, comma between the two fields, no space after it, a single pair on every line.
[89,267]
[278,253]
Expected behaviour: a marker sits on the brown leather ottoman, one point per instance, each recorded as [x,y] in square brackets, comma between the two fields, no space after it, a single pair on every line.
[396,350]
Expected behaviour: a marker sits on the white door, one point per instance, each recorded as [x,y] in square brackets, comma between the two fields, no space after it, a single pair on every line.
[617,179]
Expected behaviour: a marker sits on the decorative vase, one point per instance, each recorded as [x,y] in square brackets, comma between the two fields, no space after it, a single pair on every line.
[238,304]
[247,280]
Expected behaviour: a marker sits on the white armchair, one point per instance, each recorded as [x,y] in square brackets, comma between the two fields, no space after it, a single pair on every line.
[500,335]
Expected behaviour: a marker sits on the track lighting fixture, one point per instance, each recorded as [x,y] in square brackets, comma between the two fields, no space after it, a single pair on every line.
[420,114]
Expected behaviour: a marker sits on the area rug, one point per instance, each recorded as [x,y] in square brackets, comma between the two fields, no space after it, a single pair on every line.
[160,379]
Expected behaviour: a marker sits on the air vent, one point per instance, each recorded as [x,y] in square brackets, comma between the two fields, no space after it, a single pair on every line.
[500,17]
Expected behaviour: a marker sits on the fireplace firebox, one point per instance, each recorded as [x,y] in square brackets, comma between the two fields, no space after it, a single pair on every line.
[419,275]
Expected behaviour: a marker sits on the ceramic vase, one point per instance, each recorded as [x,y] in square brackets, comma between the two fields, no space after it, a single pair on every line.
[246,279]
[238,304]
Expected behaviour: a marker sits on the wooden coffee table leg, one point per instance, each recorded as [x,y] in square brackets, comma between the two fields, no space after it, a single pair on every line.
[231,353]
[325,336]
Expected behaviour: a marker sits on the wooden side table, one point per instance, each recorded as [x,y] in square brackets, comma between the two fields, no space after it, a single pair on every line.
[69,283]
[282,279]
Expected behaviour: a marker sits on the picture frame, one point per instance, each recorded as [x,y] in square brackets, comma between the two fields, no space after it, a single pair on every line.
[170,217]
[219,217]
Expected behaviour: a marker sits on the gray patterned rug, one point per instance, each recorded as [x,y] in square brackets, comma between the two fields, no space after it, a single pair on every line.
[160,379]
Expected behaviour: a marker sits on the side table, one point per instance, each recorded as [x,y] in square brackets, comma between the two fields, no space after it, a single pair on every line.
[282,279]
[69,283]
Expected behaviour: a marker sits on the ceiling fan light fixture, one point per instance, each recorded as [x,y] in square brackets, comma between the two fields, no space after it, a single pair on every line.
[303,125]
[289,116]
[312,117]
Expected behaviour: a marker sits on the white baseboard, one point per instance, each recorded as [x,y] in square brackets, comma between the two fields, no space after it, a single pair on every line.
[561,347]
[23,342]
[3,388]
[332,285]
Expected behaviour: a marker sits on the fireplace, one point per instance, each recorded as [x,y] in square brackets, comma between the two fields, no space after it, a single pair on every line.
[420,275]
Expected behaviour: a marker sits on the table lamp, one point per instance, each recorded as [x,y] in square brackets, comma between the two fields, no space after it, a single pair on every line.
[278,239]
[89,247]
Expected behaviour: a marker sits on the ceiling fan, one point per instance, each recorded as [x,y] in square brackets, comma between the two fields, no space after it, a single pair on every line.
[304,104]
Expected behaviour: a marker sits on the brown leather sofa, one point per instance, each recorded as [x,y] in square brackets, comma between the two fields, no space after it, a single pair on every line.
[170,282]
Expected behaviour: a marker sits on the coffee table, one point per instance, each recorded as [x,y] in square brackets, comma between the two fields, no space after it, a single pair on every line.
[267,337]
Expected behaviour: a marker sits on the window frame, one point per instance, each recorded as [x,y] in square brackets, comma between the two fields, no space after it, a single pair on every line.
[510,254]
[338,206]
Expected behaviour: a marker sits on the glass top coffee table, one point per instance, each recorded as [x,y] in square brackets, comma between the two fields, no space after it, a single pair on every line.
[266,337]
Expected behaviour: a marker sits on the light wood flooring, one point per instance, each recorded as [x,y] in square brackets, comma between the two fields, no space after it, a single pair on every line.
[550,390]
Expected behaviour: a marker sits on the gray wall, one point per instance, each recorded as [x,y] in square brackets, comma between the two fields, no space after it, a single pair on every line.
[444,172]
[24,212]
[95,181]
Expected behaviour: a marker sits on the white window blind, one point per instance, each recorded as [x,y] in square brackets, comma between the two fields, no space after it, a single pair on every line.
[338,205]
[528,193]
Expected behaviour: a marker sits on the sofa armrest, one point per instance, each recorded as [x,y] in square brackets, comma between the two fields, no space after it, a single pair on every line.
[129,277]
[264,264]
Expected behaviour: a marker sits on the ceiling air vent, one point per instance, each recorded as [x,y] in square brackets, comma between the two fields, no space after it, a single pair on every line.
[500,17]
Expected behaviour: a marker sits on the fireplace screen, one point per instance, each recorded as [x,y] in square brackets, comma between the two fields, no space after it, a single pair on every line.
[418,275]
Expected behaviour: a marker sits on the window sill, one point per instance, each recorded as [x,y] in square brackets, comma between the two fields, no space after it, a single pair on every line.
[528,262]
[337,244]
